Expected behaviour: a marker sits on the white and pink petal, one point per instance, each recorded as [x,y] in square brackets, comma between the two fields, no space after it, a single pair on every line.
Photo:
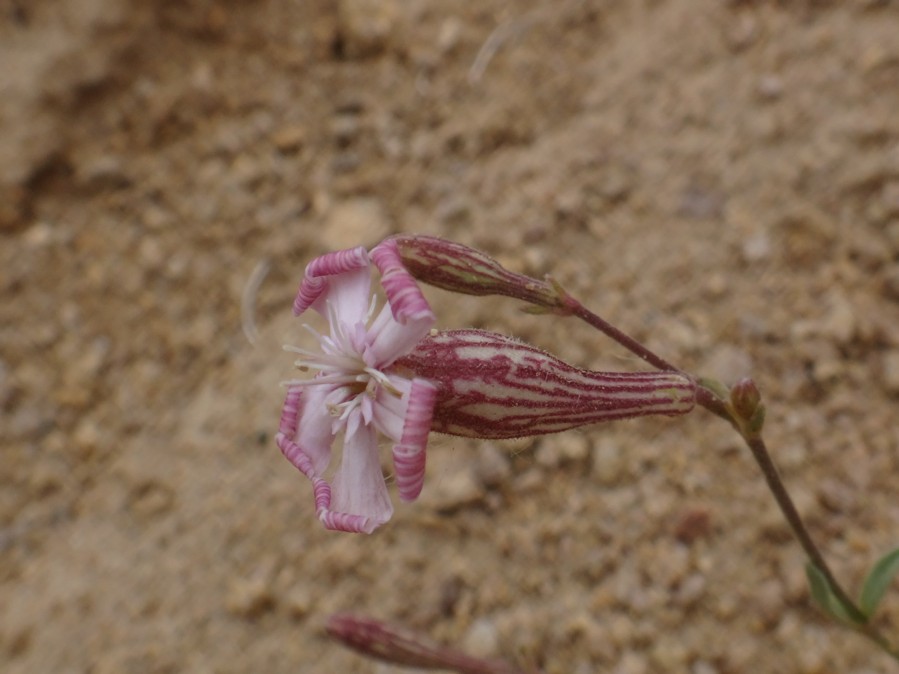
[321,273]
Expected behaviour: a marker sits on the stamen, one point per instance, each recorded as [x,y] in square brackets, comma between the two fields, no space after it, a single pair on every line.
[371,309]
[327,379]
[383,380]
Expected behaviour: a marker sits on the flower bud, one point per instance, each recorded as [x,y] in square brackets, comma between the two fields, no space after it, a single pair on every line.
[400,646]
[745,398]
[458,268]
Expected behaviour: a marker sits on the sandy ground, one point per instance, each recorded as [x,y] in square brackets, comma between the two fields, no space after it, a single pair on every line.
[720,179]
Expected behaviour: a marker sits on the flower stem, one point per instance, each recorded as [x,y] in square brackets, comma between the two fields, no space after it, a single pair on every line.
[628,342]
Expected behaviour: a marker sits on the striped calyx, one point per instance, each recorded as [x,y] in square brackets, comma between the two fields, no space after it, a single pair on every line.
[458,268]
[493,386]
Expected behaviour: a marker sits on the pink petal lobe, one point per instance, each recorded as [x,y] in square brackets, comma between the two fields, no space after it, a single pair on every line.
[316,279]
[358,489]
[391,340]
[409,453]
[389,410]
[313,427]
[403,294]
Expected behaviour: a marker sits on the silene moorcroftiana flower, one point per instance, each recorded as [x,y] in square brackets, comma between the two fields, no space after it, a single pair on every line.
[389,372]
[357,391]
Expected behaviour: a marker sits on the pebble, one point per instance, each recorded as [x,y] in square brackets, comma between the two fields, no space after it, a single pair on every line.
[837,496]
[249,598]
[298,602]
[890,282]
[757,248]
[889,371]
[449,35]
[840,322]
[105,172]
[151,498]
[560,450]
[691,590]
[771,87]
[47,477]
[703,667]
[289,139]
[768,601]
[632,663]
[6,387]
[453,491]
[357,221]
[86,438]
[492,466]
[668,654]
[609,462]
[366,26]
[482,638]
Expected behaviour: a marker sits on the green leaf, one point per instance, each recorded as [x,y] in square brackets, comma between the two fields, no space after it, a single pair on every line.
[878,581]
[825,598]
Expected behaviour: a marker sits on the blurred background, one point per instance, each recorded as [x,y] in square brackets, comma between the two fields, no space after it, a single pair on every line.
[717,178]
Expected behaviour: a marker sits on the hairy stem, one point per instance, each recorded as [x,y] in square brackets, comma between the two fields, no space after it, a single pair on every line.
[628,342]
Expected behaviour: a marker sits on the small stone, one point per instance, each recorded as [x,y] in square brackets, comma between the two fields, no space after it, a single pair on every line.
[492,466]
[151,498]
[691,590]
[6,386]
[836,496]
[454,491]
[38,235]
[249,598]
[840,322]
[299,602]
[106,172]
[768,601]
[86,438]
[703,667]
[891,282]
[365,26]
[693,524]
[547,455]
[609,462]
[46,477]
[632,662]
[668,654]
[449,35]
[289,138]
[890,198]
[482,638]
[890,371]
[770,87]
[151,253]
[757,248]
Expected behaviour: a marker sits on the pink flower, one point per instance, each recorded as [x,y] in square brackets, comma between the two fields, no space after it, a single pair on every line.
[388,373]
[357,391]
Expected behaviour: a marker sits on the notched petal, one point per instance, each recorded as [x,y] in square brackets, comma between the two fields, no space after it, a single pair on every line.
[315,280]
[403,294]
[409,454]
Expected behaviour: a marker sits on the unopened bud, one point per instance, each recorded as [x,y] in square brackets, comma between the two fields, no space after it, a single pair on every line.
[461,269]
[745,398]
[400,646]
